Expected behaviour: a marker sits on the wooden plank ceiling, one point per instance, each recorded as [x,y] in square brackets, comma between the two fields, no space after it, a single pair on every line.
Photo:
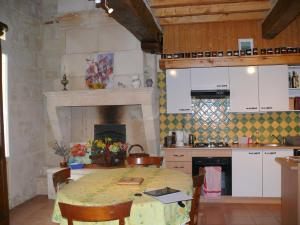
[170,12]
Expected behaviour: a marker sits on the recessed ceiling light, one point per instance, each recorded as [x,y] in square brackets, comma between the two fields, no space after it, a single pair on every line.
[97,1]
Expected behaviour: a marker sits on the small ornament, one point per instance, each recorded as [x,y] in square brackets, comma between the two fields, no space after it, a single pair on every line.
[136,82]
[64,82]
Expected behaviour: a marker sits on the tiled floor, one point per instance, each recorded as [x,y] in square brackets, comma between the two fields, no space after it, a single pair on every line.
[38,211]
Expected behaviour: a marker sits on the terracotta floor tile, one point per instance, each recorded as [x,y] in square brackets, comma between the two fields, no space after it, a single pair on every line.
[266,220]
[239,220]
[38,211]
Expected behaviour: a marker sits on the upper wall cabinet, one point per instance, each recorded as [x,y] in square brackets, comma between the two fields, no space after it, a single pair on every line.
[244,89]
[209,78]
[262,88]
[273,88]
[179,98]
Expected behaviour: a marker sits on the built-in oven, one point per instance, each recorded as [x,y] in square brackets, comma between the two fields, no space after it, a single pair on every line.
[296,152]
[223,162]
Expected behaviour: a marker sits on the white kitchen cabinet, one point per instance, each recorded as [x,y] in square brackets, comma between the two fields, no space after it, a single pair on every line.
[273,88]
[262,88]
[244,89]
[209,78]
[246,173]
[272,171]
[179,98]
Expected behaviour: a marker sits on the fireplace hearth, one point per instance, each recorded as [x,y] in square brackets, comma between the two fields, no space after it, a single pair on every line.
[117,132]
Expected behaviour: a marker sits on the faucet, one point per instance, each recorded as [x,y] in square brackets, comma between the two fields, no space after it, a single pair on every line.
[280,140]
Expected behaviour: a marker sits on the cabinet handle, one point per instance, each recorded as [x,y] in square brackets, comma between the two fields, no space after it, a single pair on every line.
[251,108]
[178,167]
[270,153]
[178,155]
[266,107]
[254,153]
[221,85]
[183,109]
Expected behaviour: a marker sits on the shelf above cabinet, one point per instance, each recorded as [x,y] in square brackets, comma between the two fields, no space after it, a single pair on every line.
[230,61]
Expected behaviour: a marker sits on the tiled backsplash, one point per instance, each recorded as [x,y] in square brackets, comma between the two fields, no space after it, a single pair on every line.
[211,120]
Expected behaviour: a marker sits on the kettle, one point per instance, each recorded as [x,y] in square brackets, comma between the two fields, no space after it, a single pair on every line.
[179,138]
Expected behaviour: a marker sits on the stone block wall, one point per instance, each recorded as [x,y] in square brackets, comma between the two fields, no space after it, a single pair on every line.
[26,113]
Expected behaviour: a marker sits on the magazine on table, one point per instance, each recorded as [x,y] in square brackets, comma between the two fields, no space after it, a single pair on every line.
[168,195]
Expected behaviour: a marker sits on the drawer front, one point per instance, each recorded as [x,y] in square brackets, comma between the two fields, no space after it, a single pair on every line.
[178,155]
[185,167]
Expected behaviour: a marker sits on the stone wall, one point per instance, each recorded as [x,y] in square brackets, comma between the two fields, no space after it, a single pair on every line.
[26,115]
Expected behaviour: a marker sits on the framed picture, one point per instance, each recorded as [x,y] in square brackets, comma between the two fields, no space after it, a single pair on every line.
[99,71]
[245,44]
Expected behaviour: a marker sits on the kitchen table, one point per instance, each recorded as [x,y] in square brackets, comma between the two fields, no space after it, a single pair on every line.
[100,188]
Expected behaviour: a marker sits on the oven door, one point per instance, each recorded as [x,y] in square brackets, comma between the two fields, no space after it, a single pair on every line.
[224,163]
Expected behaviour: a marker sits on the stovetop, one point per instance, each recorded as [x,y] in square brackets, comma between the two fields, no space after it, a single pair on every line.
[211,145]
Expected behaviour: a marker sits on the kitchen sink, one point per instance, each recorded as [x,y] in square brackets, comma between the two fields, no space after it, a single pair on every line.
[272,145]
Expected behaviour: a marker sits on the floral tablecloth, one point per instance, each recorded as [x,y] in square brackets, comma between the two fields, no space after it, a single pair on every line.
[100,188]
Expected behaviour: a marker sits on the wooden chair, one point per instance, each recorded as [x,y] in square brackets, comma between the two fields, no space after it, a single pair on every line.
[137,153]
[62,176]
[145,161]
[197,184]
[95,214]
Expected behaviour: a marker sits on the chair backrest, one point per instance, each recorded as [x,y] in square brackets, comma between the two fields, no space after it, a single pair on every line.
[61,176]
[137,153]
[95,214]
[197,184]
[145,161]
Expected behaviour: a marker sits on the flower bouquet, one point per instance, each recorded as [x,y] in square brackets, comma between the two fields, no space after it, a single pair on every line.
[61,150]
[79,153]
[106,153]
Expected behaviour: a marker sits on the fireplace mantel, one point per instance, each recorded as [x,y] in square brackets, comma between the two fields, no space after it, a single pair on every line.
[146,97]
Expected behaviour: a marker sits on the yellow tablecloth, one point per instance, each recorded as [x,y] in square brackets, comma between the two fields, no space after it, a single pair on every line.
[100,188]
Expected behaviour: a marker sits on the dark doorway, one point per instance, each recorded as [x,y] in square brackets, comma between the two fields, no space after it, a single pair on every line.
[4,211]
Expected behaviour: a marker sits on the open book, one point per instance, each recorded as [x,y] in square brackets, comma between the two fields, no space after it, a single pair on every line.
[131,180]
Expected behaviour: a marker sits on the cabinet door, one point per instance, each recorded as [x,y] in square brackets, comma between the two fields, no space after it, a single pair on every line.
[272,171]
[179,98]
[209,78]
[273,88]
[243,89]
[246,173]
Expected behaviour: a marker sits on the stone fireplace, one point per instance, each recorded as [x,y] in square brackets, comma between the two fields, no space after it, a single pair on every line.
[74,114]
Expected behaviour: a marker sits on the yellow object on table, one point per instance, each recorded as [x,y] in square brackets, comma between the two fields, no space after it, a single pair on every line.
[100,188]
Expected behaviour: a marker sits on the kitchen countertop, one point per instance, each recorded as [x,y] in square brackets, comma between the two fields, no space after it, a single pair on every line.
[291,164]
[238,146]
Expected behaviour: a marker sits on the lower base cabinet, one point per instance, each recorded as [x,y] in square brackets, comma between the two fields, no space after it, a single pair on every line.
[255,173]
[246,173]
[272,172]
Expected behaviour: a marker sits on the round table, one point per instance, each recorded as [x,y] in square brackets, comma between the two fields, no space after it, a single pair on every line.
[100,188]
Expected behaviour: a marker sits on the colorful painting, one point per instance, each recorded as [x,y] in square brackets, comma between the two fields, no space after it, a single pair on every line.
[99,71]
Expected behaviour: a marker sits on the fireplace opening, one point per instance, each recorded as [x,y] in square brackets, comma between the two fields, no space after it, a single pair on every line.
[117,132]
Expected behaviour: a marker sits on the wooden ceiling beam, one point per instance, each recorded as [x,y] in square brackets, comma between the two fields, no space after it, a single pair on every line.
[136,16]
[254,6]
[282,14]
[175,3]
[212,18]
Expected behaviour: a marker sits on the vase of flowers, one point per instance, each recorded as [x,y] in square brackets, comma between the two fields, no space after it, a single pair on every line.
[105,152]
[63,151]
[79,153]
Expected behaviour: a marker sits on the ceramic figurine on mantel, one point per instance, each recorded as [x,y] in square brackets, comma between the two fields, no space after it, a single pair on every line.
[64,82]
[136,82]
